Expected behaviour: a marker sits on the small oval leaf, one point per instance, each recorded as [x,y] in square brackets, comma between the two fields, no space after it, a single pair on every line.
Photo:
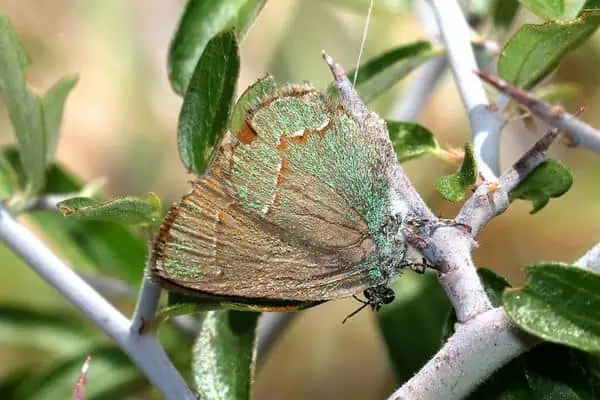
[126,210]
[559,303]
[535,50]
[411,140]
[382,72]
[201,21]
[53,104]
[207,103]
[453,187]
[549,180]
[224,355]
[88,245]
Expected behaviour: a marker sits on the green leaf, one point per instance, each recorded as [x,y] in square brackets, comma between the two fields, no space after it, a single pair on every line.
[549,371]
[208,100]
[558,372]
[554,9]
[201,21]
[535,50]
[592,5]
[48,331]
[251,97]
[494,285]
[24,107]
[224,355]
[559,303]
[53,104]
[452,187]
[504,12]
[549,180]
[380,73]
[411,140]
[88,245]
[111,376]
[420,306]
[180,304]
[125,210]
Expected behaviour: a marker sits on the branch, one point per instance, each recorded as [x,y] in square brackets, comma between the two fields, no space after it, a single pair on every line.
[580,134]
[145,351]
[413,98]
[486,125]
[468,358]
[477,349]
[490,200]
[144,315]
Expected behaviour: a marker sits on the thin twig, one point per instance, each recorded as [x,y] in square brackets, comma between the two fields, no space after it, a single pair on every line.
[579,133]
[485,124]
[413,98]
[419,91]
[491,199]
[79,388]
[144,350]
[144,315]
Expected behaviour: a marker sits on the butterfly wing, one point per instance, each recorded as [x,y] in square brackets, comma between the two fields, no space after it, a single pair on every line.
[291,208]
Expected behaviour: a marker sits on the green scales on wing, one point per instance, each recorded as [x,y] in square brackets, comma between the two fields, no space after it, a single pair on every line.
[295,207]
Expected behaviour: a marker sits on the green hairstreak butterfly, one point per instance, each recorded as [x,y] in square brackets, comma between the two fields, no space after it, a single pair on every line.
[296,207]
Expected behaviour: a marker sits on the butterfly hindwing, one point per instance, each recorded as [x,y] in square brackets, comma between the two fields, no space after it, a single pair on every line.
[291,208]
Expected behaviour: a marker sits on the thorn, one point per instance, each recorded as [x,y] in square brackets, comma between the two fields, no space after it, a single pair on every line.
[336,69]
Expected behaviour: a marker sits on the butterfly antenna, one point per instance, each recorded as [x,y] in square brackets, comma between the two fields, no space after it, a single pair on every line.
[359,309]
[362,42]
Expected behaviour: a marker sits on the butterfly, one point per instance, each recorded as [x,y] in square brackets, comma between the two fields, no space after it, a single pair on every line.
[297,206]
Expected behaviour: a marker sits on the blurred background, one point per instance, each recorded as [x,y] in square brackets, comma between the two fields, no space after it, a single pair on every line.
[120,125]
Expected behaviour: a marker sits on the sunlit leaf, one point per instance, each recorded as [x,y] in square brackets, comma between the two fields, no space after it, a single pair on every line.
[453,187]
[201,21]
[559,303]
[208,101]
[549,180]
[535,50]
[53,104]
[411,140]
[224,355]
[126,210]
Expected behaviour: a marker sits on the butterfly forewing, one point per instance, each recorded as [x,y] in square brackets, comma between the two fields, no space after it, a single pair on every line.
[290,209]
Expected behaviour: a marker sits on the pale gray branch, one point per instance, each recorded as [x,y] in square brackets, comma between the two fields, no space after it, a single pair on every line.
[579,133]
[485,124]
[491,199]
[473,353]
[144,350]
[144,315]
